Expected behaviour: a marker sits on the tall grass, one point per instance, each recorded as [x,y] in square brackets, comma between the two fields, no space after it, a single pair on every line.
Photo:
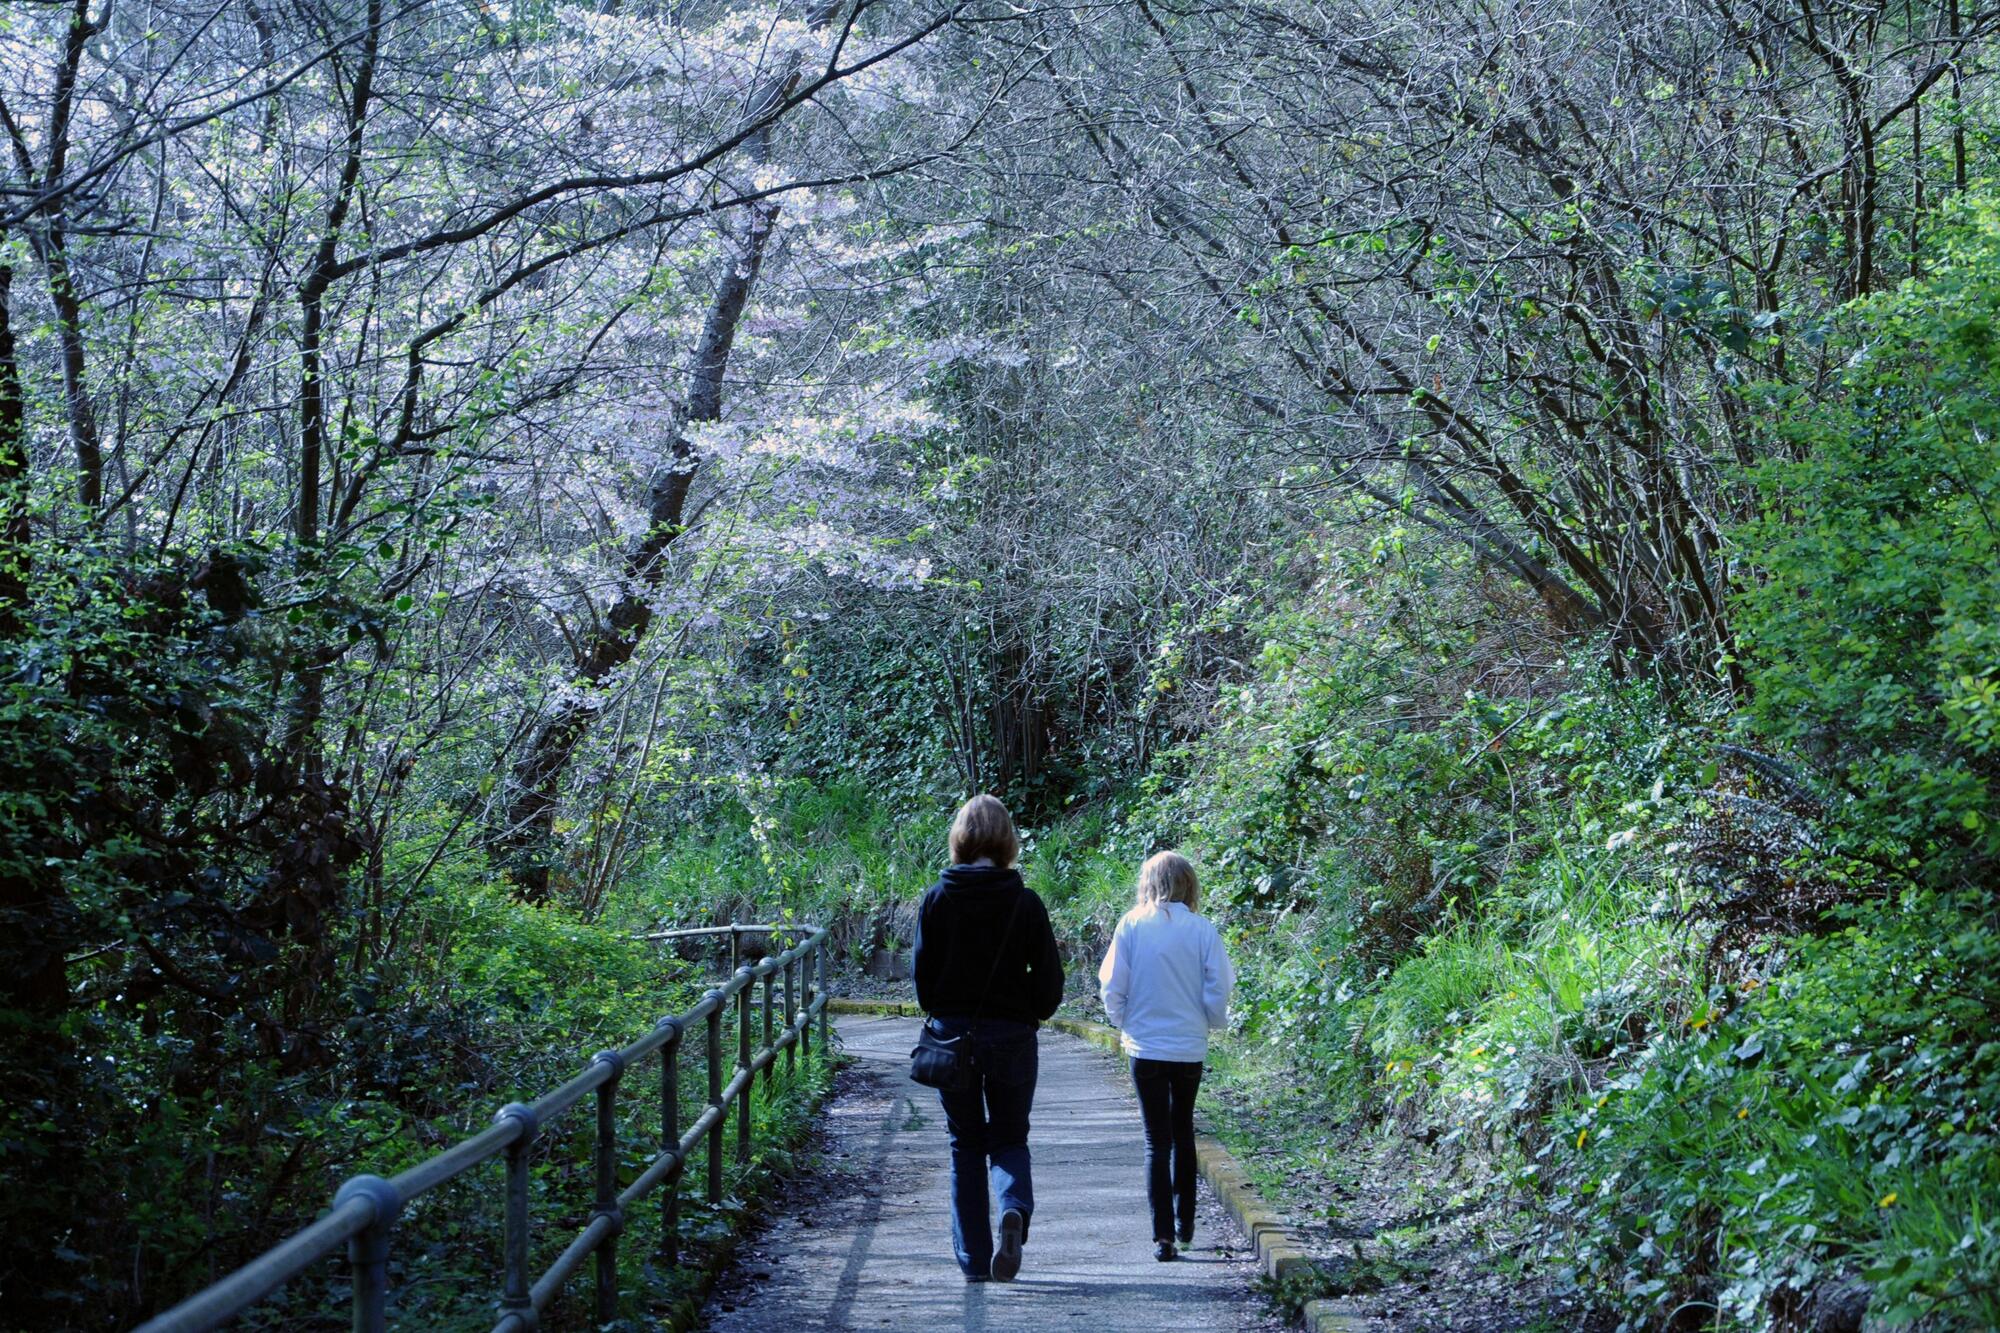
[811,852]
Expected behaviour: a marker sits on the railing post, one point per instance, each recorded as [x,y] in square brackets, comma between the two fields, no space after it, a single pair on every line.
[791,1016]
[514,1246]
[770,1070]
[819,964]
[735,947]
[715,1096]
[746,981]
[670,1140]
[806,1003]
[607,1185]
[368,1251]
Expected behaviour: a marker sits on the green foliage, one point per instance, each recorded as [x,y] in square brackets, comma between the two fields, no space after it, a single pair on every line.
[563,985]
[128,728]
[1473,907]
[168,878]
[1835,1119]
[789,846]
[1873,624]
[195,1170]
[859,706]
[1085,867]
[196,1084]
[1399,842]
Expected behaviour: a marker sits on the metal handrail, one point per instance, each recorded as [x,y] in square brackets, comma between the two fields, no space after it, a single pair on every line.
[734,930]
[365,1207]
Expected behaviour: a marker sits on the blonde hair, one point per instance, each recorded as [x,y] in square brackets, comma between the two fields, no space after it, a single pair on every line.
[983,827]
[1167,877]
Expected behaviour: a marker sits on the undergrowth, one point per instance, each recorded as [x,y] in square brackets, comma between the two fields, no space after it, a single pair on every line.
[490,1001]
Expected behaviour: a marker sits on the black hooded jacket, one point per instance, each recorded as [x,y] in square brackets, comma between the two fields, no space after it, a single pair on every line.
[959,929]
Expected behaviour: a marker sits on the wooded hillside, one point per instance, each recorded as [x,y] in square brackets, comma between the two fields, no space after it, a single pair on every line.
[1510,489]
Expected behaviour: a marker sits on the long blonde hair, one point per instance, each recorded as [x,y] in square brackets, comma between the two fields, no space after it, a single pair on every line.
[1167,877]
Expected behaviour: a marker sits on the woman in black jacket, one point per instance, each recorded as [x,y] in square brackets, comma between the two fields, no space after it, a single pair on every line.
[986,964]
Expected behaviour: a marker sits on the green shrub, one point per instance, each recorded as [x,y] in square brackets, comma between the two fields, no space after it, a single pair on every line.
[817,851]
[1873,619]
[1838,1119]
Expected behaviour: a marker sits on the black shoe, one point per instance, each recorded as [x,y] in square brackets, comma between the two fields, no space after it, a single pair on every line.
[977,1277]
[1007,1259]
[1187,1233]
[1163,1251]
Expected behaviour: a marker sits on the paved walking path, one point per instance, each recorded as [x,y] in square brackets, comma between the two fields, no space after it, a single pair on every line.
[874,1251]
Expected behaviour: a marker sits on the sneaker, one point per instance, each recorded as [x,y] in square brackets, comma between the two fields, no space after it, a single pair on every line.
[1187,1233]
[978,1277]
[1163,1251]
[1007,1259]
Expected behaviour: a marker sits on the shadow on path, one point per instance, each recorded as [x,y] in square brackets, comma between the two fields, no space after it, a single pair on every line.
[849,1287]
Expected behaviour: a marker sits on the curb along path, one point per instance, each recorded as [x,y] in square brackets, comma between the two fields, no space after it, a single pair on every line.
[874,1252]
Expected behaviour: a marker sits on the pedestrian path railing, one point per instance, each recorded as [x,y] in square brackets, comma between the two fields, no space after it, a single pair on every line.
[363,1216]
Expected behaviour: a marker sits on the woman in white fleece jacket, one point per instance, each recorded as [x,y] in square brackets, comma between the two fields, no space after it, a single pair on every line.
[1166,983]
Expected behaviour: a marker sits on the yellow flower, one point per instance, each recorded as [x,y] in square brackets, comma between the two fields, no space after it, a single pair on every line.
[1887,1200]
[1581,1135]
[1742,1113]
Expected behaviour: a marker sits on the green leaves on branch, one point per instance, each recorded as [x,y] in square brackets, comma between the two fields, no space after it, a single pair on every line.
[1872,617]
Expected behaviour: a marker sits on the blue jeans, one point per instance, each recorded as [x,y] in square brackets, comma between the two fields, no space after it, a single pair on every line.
[988,1127]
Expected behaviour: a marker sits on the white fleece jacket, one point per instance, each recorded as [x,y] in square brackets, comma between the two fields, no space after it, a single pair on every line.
[1166,981]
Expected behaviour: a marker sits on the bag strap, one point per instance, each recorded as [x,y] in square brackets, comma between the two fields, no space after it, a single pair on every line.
[1005,937]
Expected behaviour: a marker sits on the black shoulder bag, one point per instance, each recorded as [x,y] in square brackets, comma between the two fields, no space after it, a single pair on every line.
[948,1063]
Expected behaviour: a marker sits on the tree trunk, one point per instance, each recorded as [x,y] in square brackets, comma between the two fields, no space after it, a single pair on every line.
[83,432]
[525,840]
[302,741]
[55,261]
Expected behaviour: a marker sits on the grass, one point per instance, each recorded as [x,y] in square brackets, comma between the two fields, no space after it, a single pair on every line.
[808,852]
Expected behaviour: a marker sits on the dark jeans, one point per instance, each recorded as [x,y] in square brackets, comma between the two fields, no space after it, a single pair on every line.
[988,1127]
[1166,1105]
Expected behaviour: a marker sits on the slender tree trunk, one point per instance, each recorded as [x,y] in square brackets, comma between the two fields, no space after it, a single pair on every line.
[1916,188]
[524,839]
[1957,104]
[83,432]
[303,741]
[54,251]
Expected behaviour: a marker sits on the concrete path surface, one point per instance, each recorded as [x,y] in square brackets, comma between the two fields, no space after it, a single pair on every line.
[871,1248]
